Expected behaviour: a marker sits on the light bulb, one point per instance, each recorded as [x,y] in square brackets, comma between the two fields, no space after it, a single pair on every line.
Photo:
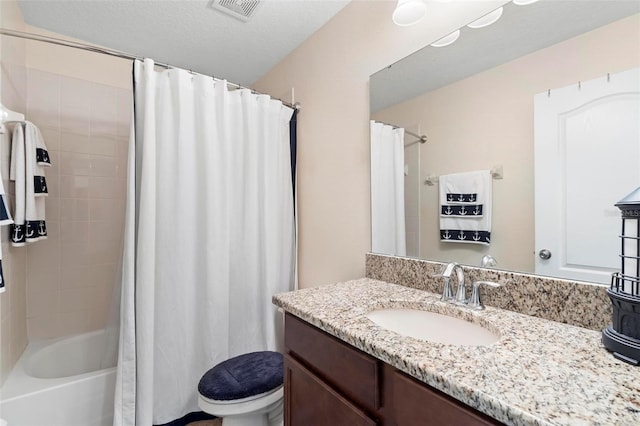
[446,40]
[488,19]
[409,12]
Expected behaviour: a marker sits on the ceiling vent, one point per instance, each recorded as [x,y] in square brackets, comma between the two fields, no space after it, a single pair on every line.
[239,9]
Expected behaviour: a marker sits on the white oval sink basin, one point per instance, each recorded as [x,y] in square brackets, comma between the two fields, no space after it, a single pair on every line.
[438,328]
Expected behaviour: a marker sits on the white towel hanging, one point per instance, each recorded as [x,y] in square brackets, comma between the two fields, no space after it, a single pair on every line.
[29,157]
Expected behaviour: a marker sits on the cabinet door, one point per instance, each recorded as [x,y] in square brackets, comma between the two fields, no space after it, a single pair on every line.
[351,372]
[311,402]
[416,404]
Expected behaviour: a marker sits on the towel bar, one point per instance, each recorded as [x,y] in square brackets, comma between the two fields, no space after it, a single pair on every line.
[496,173]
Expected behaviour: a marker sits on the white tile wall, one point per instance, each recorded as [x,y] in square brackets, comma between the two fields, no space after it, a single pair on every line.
[71,275]
[13,306]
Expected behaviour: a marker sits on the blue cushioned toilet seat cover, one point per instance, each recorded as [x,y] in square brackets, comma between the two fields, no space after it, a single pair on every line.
[243,376]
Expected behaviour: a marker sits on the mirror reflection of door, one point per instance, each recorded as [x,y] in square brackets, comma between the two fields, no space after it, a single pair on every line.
[587,158]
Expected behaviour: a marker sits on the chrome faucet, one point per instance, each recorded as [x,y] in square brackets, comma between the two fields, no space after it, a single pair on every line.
[447,294]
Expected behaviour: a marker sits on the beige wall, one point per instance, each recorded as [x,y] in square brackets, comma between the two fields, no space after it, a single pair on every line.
[330,73]
[13,322]
[487,119]
[74,63]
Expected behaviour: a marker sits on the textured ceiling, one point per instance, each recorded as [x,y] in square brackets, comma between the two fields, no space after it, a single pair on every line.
[188,33]
[520,30]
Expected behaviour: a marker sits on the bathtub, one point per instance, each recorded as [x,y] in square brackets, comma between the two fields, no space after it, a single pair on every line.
[60,383]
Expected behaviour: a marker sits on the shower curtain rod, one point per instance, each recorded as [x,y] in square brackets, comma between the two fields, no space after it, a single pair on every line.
[421,138]
[118,54]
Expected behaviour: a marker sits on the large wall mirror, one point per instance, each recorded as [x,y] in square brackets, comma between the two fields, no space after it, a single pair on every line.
[481,102]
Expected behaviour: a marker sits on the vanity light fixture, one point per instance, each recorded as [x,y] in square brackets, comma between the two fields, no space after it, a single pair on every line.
[446,40]
[409,12]
[488,19]
[523,2]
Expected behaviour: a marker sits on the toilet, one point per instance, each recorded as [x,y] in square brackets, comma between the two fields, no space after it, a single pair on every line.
[246,390]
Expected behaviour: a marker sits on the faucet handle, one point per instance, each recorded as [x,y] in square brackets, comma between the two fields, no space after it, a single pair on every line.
[447,294]
[476,302]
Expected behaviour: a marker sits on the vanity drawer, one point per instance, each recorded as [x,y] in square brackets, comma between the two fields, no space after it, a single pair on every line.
[348,370]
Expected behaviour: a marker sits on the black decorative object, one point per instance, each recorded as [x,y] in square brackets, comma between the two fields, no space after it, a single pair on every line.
[622,337]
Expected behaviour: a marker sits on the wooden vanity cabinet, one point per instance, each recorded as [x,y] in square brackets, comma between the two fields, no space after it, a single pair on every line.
[330,383]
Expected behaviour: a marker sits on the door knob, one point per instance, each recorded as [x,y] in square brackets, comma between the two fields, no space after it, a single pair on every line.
[544,254]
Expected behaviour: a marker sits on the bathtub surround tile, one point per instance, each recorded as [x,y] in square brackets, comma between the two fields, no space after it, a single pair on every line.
[103,110]
[101,307]
[86,129]
[43,327]
[74,232]
[75,299]
[102,230]
[73,209]
[75,322]
[106,209]
[104,166]
[76,276]
[577,303]
[74,254]
[43,96]
[75,120]
[42,279]
[44,118]
[51,137]
[122,147]
[105,276]
[52,209]
[104,253]
[70,142]
[103,145]
[75,93]
[75,164]
[74,186]
[44,255]
[105,187]
[43,302]
[6,358]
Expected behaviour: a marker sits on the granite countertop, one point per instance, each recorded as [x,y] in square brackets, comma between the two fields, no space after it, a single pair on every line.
[539,372]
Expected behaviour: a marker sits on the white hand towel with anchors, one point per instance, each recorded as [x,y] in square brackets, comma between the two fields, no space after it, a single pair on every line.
[27,169]
[465,207]
[17,175]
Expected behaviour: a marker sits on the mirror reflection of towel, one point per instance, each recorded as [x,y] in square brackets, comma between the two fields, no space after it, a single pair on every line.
[465,207]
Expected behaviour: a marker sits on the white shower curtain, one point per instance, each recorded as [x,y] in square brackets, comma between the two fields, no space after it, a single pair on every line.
[388,234]
[213,237]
